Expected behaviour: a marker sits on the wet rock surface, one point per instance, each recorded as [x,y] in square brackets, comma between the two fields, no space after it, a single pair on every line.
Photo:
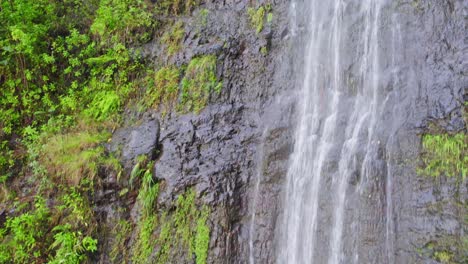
[216,151]
[128,143]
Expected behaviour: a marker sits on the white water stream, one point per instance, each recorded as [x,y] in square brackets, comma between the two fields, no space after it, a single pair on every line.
[341,103]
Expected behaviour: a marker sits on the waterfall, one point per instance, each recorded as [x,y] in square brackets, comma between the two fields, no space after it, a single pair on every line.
[339,171]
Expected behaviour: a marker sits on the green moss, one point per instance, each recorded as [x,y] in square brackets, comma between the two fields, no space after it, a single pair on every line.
[145,242]
[202,238]
[164,91]
[184,220]
[147,197]
[203,17]
[172,38]
[445,154]
[165,240]
[121,231]
[198,83]
[444,257]
[447,249]
[184,232]
[257,18]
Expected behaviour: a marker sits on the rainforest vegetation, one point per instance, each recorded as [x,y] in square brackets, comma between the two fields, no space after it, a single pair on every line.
[67,71]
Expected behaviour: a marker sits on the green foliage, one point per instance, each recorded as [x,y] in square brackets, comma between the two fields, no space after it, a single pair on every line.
[26,237]
[148,191]
[19,238]
[104,105]
[122,20]
[57,65]
[23,42]
[165,89]
[6,161]
[446,249]
[172,38]
[67,70]
[198,83]
[72,239]
[75,209]
[445,155]
[146,226]
[184,220]
[71,246]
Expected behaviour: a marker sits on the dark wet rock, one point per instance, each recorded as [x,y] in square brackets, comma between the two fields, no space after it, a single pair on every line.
[131,142]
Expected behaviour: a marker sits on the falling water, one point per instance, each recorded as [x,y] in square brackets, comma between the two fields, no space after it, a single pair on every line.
[340,145]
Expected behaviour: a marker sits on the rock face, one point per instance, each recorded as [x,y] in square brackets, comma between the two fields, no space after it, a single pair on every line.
[235,152]
[218,150]
[132,142]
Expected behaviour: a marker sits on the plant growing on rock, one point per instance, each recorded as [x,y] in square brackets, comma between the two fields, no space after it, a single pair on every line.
[257,17]
[172,38]
[164,91]
[445,154]
[198,83]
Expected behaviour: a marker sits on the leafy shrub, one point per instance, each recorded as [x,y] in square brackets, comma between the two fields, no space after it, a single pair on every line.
[121,19]
[6,161]
[71,246]
[104,105]
[23,41]
[19,238]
